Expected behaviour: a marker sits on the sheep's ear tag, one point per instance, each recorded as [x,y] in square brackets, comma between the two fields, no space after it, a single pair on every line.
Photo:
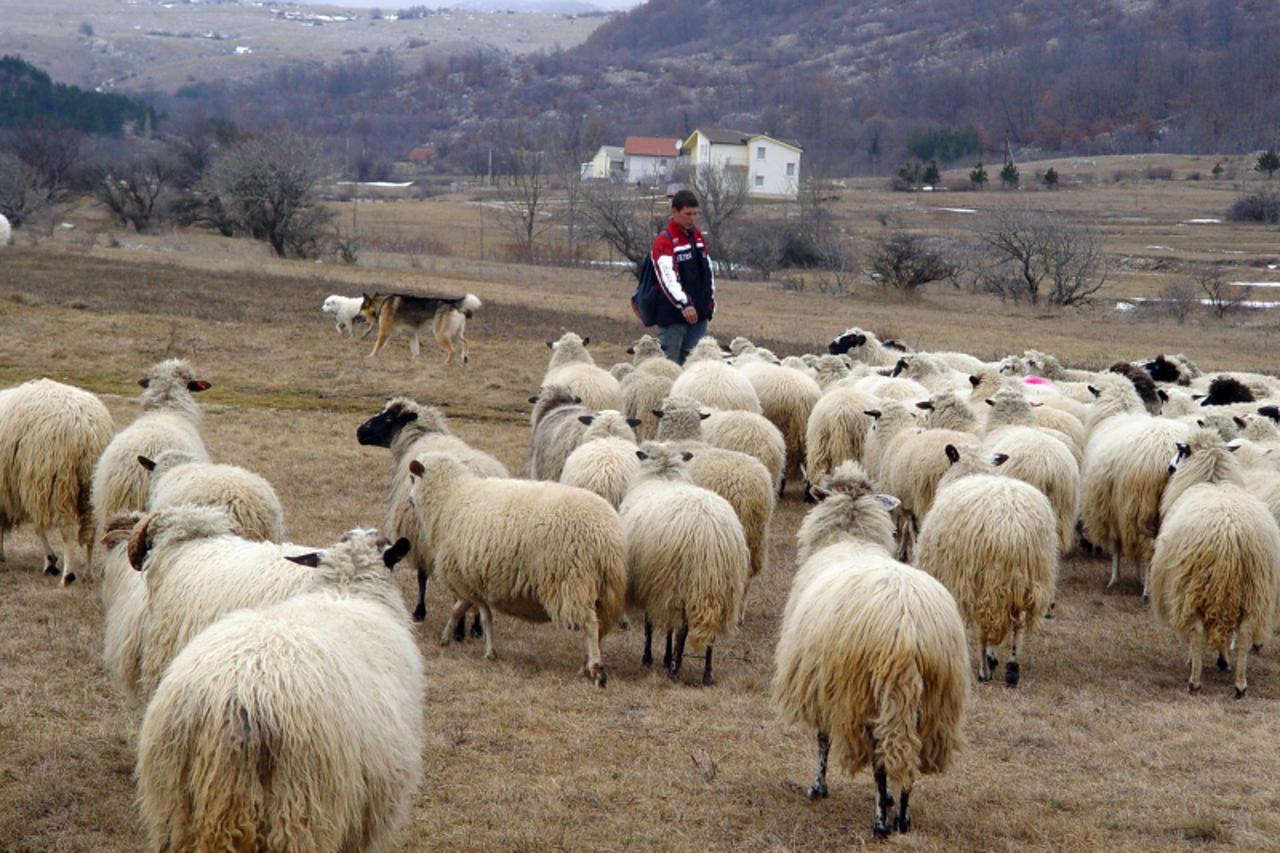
[686,456]
[415,468]
[198,385]
[144,382]
[999,459]
[309,560]
[149,464]
[641,455]
[633,422]
[396,552]
[889,502]
[586,419]
[952,453]
[702,416]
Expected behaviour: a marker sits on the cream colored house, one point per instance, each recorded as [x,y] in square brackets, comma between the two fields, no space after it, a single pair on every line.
[772,165]
[650,158]
[609,162]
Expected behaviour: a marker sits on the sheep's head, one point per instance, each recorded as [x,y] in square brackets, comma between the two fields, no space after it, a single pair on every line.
[706,349]
[963,460]
[176,524]
[947,411]
[431,474]
[892,417]
[1162,369]
[382,429]
[680,418]
[829,369]
[551,397]
[609,423]
[119,528]
[622,370]
[848,340]
[646,348]
[1225,390]
[568,349]
[1203,458]
[849,507]
[739,345]
[660,461]
[169,385]
[1009,406]
[361,547]
[166,461]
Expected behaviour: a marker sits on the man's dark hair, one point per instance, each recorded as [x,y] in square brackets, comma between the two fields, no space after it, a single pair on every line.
[683,199]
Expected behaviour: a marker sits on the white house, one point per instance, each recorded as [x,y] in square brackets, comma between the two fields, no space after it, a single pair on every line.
[772,165]
[607,163]
[649,159]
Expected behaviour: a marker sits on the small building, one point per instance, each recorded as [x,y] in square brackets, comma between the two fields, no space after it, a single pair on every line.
[771,165]
[421,154]
[609,162]
[650,159]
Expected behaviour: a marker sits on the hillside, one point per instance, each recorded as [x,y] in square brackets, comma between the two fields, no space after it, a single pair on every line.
[27,94]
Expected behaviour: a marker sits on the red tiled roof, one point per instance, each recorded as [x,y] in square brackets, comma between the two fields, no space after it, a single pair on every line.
[651,146]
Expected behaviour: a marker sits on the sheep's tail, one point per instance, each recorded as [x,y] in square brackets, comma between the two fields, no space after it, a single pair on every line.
[469,305]
[900,691]
[236,756]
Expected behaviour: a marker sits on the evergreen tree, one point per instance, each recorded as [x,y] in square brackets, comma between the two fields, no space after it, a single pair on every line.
[931,176]
[1269,162]
[979,176]
[1009,175]
[1051,178]
[1217,170]
[910,174]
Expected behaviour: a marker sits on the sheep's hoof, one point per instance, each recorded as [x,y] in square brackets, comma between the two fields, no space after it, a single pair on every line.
[818,791]
[419,613]
[984,677]
[902,823]
[1240,691]
[477,629]
[1048,614]
[1011,673]
[491,655]
[1223,666]
[1193,688]
[708,680]
[673,675]
[51,566]
[597,674]
[646,659]
[881,830]
[69,578]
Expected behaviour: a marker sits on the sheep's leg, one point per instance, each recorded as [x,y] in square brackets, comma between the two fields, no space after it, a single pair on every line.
[989,662]
[646,658]
[459,611]
[903,821]
[459,622]
[1242,662]
[1144,569]
[1197,657]
[782,487]
[486,619]
[667,656]
[1223,664]
[70,531]
[477,628]
[415,346]
[707,678]
[50,558]
[2,532]
[884,802]
[420,611]
[677,659]
[1011,669]
[819,787]
[1115,565]
[595,667]
[742,605]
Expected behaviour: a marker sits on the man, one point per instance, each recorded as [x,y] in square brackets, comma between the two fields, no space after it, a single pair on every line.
[684,276]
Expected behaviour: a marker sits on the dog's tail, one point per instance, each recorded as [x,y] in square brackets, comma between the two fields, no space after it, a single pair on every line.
[469,305]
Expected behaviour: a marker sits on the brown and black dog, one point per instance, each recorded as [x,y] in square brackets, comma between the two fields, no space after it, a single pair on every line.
[447,318]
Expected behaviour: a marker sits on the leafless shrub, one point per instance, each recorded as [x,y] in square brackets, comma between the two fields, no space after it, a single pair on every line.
[1221,296]
[1034,257]
[22,192]
[906,262]
[523,200]
[625,219]
[133,186]
[1179,300]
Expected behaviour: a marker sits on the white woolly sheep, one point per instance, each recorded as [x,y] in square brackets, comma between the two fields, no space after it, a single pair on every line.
[170,420]
[605,461]
[947,411]
[1035,457]
[407,429]
[297,726]
[536,551]
[861,345]
[992,542]
[786,398]
[830,369]
[196,569]
[737,477]
[887,388]
[837,430]
[642,392]
[648,357]
[871,651]
[749,433]
[1126,466]
[889,421]
[709,380]
[687,559]
[1215,574]
[557,429]
[178,477]
[622,370]
[124,605]
[571,365]
[51,436]
[6,232]
[346,313]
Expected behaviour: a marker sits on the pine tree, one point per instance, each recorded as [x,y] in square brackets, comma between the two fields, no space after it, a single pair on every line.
[1051,178]
[979,176]
[1269,162]
[1217,170]
[931,176]
[1009,175]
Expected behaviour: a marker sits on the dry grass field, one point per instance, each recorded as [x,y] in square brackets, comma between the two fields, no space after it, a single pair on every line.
[1099,748]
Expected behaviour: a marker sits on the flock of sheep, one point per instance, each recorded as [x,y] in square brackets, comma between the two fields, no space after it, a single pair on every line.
[283,685]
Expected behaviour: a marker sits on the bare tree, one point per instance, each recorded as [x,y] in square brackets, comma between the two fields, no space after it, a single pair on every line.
[907,262]
[1220,295]
[22,192]
[626,220]
[1179,299]
[523,200]
[266,185]
[722,195]
[132,187]
[52,151]
[1035,257]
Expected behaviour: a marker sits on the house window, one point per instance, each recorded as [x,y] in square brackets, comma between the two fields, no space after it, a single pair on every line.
[759,152]
[791,170]
[759,180]
[662,161]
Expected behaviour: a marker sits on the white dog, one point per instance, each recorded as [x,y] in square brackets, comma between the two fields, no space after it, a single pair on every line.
[346,310]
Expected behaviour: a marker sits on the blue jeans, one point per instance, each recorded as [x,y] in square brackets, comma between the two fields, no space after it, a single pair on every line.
[678,340]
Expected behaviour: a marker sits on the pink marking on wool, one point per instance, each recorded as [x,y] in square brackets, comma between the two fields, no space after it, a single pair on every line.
[1036,380]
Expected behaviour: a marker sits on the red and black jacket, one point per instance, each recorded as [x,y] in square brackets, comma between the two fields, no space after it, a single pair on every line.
[684,274]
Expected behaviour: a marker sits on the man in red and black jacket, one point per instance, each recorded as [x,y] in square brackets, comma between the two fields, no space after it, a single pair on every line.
[684,276]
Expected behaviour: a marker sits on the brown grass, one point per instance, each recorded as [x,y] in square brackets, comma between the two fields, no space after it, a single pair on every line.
[1100,748]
